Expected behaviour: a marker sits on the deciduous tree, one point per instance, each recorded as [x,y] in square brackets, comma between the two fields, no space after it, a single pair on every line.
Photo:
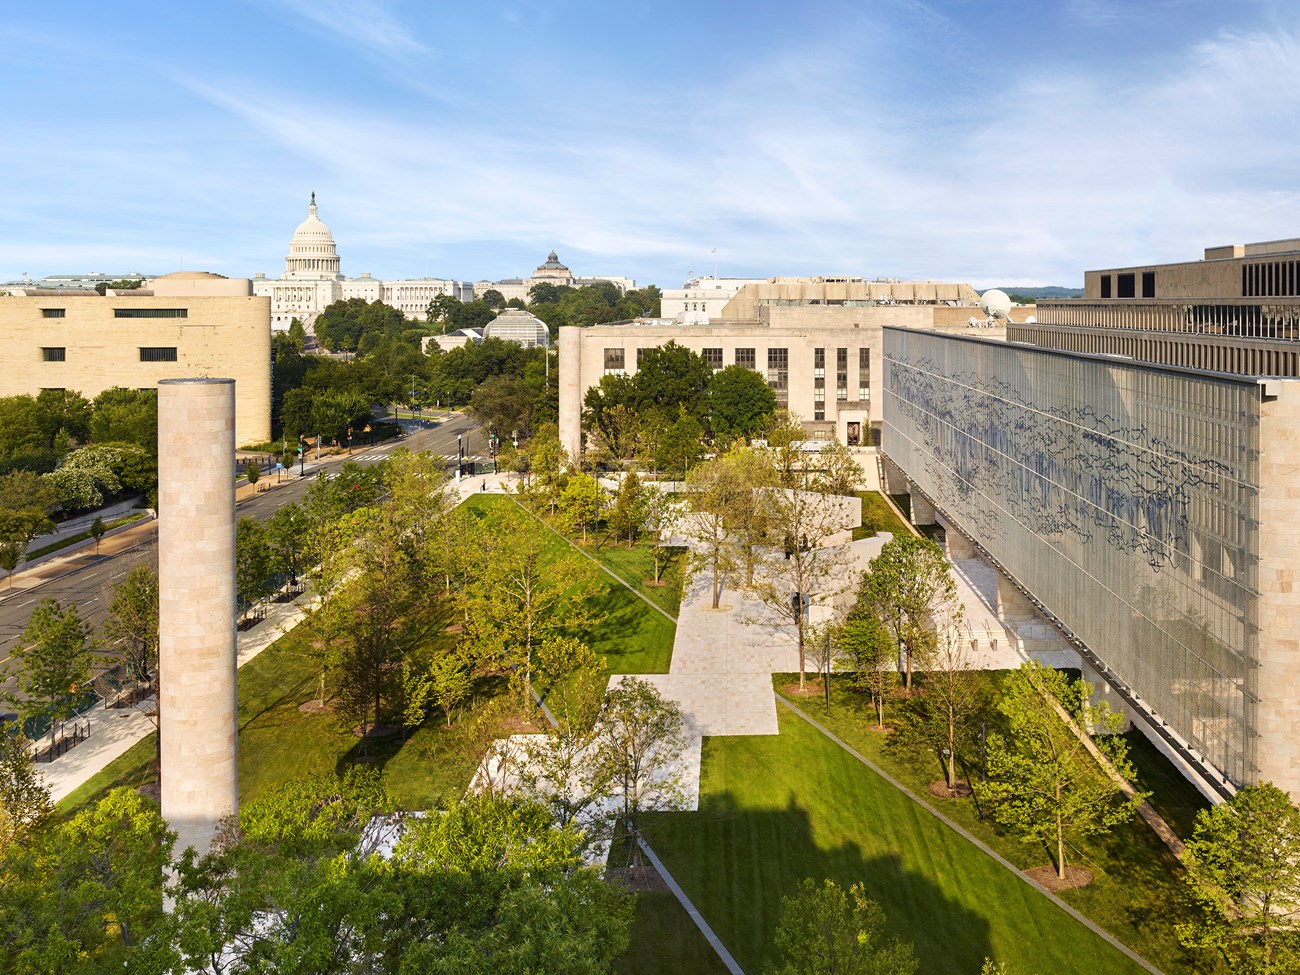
[868,649]
[740,403]
[1042,782]
[52,663]
[826,930]
[907,586]
[1243,867]
[24,801]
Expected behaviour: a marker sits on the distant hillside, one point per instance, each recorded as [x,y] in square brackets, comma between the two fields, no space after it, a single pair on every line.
[1016,291]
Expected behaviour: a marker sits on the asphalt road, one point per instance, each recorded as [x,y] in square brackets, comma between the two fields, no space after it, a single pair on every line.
[87,580]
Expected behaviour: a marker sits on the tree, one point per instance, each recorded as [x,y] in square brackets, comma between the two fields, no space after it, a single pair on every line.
[713,494]
[286,531]
[522,595]
[131,628]
[20,428]
[907,586]
[663,513]
[493,298]
[628,515]
[450,682]
[1042,782]
[581,503]
[944,716]
[558,768]
[671,380]
[86,894]
[811,572]
[639,746]
[52,663]
[252,562]
[97,530]
[63,416]
[740,403]
[838,472]
[1243,867]
[681,447]
[252,472]
[825,930]
[868,649]
[24,801]
[126,416]
[11,553]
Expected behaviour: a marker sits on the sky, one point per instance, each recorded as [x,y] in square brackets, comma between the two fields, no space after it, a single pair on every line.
[988,141]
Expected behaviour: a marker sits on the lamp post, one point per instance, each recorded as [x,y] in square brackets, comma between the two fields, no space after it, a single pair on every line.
[460,456]
[826,657]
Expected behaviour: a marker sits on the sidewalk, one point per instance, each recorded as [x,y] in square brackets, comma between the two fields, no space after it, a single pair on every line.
[114,731]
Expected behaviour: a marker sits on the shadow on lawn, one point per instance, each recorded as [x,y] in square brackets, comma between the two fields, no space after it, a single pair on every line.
[738,863]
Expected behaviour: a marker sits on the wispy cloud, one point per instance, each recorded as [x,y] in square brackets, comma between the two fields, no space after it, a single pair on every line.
[368,24]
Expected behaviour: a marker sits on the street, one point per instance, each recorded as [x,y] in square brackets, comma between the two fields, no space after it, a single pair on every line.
[86,579]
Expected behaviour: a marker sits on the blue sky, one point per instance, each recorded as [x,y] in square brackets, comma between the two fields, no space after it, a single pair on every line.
[990,141]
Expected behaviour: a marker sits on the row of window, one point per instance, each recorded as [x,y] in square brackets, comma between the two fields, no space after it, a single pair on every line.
[1273,279]
[147,354]
[126,313]
[778,371]
[1126,285]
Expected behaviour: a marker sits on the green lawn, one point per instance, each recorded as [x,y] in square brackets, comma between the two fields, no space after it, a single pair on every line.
[664,939]
[774,810]
[878,516]
[635,566]
[1136,895]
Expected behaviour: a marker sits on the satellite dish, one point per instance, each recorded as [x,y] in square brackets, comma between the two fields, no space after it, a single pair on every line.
[972,322]
[995,304]
[1031,320]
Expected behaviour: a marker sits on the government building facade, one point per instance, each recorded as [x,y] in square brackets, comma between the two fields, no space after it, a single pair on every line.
[1128,462]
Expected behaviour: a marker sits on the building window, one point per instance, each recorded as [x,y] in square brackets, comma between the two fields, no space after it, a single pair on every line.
[745,357]
[54,313]
[778,371]
[54,355]
[151,313]
[614,360]
[841,374]
[1148,284]
[819,360]
[158,354]
[1105,285]
[1124,284]
[714,358]
[864,375]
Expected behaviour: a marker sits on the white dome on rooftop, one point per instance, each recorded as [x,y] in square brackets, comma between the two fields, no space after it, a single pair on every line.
[312,252]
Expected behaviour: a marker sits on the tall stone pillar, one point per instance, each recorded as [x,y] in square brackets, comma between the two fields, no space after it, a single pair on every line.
[196,606]
[570,392]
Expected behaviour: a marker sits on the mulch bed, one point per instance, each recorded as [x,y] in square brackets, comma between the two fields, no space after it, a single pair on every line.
[641,879]
[959,790]
[377,731]
[1075,877]
[812,690]
[316,706]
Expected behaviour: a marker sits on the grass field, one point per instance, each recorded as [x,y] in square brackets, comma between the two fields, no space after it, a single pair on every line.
[878,516]
[1136,895]
[663,939]
[774,810]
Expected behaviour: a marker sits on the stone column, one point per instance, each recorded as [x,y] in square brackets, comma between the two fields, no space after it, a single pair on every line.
[1012,603]
[196,606]
[571,390]
[922,510]
[958,545]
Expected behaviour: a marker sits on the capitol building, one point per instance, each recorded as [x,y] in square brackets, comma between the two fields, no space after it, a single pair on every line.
[312,281]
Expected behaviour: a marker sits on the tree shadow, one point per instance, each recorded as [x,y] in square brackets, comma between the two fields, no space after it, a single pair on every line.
[738,863]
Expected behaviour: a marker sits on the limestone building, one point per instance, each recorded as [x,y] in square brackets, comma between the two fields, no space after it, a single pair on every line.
[313,280]
[1128,464]
[817,342]
[700,299]
[190,323]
